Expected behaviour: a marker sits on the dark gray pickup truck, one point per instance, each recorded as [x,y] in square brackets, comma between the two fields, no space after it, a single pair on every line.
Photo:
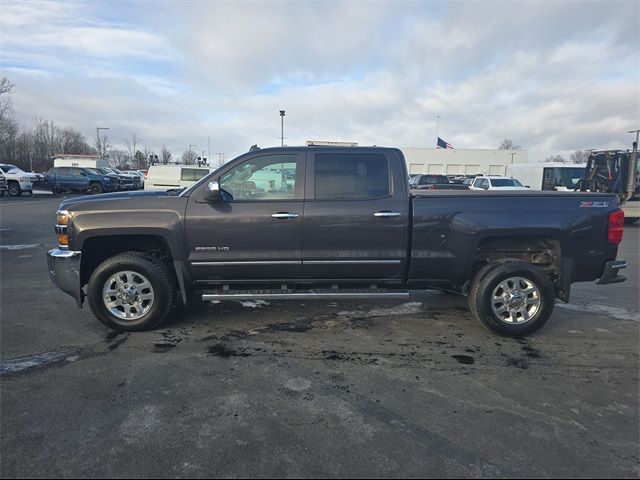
[331,223]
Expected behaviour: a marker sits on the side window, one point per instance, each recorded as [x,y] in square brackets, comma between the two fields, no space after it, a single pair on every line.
[193,174]
[268,177]
[485,183]
[351,176]
[66,171]
[476,182]
[76,172]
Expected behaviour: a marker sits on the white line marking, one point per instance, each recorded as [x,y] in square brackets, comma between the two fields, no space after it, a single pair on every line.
[607,310]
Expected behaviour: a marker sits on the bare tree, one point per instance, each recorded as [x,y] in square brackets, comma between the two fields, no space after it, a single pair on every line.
[132,144]
[120,158]
[555,158]
[166,155]
[6,105]
[189,157]
[507,144]
[579,156]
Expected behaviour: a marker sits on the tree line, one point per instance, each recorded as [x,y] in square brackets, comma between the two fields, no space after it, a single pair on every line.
[34,148]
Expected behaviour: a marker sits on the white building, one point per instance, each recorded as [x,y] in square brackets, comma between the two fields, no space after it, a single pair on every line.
[461,161]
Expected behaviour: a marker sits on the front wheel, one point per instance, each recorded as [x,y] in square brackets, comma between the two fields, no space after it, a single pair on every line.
[14,189]
[131,292]
[513,299]
[95,188]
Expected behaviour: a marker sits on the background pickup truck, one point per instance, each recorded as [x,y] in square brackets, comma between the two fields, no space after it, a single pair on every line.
[327,223]
[435,182]
[78,179]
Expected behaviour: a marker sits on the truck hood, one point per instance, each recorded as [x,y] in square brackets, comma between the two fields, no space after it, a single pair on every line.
[69,203]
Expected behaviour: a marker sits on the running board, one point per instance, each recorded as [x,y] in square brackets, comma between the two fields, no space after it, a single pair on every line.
[328,294]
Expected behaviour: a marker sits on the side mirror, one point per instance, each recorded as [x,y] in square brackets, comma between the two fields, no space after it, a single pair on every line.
[212,191]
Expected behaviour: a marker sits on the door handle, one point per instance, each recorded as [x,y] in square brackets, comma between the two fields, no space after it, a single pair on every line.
[284,215]
[386,214]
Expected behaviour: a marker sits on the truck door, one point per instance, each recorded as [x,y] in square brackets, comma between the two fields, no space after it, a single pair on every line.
[355,217]
[256,233]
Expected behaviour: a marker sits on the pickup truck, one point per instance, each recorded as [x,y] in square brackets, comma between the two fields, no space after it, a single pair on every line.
[435,182]
[79,179]
[331,223]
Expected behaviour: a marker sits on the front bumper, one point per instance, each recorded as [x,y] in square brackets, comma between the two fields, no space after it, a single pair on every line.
[611,272]
[64,270]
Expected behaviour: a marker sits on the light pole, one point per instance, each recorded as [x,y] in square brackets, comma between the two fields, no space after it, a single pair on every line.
[98,138]
[282,128]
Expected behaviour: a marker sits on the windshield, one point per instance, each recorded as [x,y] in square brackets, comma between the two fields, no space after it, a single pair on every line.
[11,169]
[119,172]
[505,182]
[93,171]
[572,176]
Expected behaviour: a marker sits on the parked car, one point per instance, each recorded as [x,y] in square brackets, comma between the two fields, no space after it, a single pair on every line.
[134,177]
[434,182]
[18,181]
[166,177]
[124,182]
[135,173]
[77,179]
[365,236]
[496,183]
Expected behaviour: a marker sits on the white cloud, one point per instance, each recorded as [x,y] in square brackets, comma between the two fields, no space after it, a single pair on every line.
[550,76]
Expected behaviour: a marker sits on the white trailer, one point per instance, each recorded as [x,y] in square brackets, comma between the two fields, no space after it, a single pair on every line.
[548,176]
[460,161]
[83,161]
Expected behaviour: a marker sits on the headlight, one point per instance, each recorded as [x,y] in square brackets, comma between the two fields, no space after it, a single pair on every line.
[62,218]
[24,179]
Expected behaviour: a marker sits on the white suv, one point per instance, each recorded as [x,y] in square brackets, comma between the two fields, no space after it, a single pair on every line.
[496,183]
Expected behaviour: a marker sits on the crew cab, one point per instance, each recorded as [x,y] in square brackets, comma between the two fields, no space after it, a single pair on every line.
[78,179]
[331,223]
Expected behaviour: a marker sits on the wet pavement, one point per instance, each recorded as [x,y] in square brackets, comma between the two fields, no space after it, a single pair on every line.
[264,389]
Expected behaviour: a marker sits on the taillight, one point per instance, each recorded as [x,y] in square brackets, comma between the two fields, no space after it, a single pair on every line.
[616,227]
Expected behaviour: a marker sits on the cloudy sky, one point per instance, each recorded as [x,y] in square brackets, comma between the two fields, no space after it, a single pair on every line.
[552,76]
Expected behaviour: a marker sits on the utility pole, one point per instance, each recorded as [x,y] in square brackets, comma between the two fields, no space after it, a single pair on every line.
[282,128]
[98,138]
[209,148]
[437,127]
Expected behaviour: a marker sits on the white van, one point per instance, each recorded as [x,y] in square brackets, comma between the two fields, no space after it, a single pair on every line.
[548,176]
[165,177]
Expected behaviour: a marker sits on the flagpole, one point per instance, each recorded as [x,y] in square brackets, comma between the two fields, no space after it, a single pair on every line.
[437,127]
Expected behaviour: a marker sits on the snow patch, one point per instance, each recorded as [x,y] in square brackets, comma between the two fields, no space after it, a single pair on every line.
[18,247]
[253,303]
[607,310]
[404,309]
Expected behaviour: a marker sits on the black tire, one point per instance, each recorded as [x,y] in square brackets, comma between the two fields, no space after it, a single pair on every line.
[159,276]
[14,189]
[480,299]
[95,188]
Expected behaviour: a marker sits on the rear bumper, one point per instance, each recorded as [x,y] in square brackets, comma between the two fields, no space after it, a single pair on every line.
[64,270]
[611,273]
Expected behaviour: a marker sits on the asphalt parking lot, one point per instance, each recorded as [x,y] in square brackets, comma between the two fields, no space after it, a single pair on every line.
[325,389]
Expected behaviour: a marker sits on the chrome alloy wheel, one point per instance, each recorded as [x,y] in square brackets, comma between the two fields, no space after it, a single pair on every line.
[515,300]
[128,295]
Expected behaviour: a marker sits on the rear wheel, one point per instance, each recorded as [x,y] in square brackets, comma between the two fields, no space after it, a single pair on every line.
[132,291]
[513,299]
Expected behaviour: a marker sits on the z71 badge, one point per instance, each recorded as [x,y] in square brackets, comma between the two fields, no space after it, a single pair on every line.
[594,204]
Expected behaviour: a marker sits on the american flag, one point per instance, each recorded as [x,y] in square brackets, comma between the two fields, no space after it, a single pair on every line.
[443,144]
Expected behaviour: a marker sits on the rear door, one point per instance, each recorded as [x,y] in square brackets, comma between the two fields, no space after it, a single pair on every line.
[256,232]
[355,217]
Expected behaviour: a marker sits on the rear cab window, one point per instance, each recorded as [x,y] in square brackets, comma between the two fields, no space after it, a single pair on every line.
[351,176]
[193,174]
